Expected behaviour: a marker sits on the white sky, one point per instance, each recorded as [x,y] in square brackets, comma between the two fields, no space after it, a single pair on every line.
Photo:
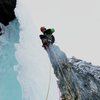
[77,25]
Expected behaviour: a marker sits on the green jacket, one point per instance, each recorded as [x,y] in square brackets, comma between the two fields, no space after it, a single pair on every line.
[49,32]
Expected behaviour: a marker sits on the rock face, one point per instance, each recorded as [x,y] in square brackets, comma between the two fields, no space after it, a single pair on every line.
[7,11]
[77,79]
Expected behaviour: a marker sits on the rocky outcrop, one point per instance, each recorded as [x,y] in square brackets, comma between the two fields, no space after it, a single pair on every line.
[77,79]
[7,11]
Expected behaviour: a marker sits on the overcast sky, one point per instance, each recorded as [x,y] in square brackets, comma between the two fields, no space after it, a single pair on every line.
[77,25]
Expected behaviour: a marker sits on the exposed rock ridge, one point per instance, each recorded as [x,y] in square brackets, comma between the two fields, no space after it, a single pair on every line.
[77,79]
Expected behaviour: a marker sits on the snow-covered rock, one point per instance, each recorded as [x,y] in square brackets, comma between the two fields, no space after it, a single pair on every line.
[77,79]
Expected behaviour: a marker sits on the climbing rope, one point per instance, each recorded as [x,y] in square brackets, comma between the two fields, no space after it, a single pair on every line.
[49,83]
[59,65]
[59,95]
[50,78]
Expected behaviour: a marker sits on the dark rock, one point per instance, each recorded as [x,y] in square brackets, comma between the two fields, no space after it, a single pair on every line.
[7,11]
[0,29]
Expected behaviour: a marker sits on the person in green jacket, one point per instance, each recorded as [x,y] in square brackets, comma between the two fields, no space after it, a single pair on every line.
[47,37]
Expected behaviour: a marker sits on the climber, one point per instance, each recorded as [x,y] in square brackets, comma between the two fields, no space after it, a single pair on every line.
[47,37]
